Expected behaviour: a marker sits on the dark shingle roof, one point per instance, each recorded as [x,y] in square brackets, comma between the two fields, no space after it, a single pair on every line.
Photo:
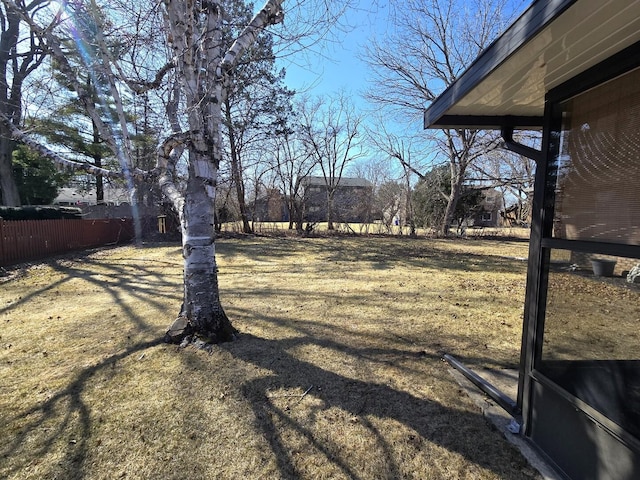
[344,182]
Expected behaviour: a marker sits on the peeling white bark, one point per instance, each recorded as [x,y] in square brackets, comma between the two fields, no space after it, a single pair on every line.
[270,14]
[203,70]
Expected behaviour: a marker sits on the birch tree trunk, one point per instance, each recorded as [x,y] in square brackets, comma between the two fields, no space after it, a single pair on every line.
[203,69]
[200,70]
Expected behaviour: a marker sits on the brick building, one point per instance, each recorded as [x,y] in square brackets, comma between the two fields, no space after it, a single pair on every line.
[352,200]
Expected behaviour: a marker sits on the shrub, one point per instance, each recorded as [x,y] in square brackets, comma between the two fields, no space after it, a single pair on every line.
[39,213]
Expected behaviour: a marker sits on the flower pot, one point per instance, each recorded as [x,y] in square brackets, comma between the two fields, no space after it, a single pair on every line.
[603,268]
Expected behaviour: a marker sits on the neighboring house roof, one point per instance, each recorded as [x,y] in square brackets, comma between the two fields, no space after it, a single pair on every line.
[551,42]
[344,182]
[69,195]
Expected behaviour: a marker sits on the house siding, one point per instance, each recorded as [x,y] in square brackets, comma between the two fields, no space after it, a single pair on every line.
[352,200]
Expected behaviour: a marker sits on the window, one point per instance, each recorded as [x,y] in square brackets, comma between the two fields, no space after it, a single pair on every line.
[591,345]
[598,169]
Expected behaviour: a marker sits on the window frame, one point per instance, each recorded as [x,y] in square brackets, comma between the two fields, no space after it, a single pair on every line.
[542,240]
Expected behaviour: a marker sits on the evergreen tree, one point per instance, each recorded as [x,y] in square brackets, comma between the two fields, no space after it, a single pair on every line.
[37,177]
[69,125]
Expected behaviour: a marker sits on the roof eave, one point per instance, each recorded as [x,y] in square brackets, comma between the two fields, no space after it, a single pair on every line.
[481,122]
[528,25]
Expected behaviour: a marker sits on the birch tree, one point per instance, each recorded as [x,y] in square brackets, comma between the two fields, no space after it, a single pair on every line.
[434,42]
[194,70]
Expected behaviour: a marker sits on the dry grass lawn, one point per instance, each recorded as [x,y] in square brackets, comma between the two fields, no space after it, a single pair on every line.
[337,374]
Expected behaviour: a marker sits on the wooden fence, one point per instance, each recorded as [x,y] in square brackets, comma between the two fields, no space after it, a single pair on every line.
[25,240]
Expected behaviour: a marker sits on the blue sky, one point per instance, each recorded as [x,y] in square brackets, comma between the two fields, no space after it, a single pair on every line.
[336,66]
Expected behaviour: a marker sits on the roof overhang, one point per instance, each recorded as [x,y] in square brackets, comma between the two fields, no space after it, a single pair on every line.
[551,42]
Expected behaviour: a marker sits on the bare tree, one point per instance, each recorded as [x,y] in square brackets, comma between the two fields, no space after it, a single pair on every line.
[195,73]
[292,162]
[405,150]
[261,180]
[332,134]
[21,53]
[386,194]
[376,169]
[435,41]
[254,108]
[513,175]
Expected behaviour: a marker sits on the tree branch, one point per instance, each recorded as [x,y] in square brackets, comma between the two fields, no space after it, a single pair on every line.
[25,139]
[270,14]
[143,86]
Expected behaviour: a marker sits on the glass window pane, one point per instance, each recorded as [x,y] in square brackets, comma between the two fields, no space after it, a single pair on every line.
[592,337]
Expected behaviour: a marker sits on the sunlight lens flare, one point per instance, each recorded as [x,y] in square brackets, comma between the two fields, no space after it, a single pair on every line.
[82,29]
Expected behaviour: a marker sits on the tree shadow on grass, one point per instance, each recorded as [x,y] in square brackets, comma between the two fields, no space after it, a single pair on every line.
[75,422]
[60,425]
[142,283]
[365,402]
[380,253]
[115,279]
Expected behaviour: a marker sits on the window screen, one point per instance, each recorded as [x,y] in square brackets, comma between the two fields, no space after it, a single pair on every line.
[591,344]
[598,169]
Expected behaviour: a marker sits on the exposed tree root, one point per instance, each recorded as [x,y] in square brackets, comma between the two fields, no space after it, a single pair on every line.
[183,332]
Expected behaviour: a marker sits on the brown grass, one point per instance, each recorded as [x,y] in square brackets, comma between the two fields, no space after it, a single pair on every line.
[337,374]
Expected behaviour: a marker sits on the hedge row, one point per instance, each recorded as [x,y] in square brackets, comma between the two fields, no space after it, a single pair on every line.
[40,213]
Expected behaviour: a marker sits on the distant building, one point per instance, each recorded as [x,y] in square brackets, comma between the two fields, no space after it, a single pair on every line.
[73,197]
[82,192]
[270,207]
[488,214]
[352,200]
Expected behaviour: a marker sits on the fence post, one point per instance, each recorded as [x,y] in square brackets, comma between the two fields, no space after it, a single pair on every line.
[2,260]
